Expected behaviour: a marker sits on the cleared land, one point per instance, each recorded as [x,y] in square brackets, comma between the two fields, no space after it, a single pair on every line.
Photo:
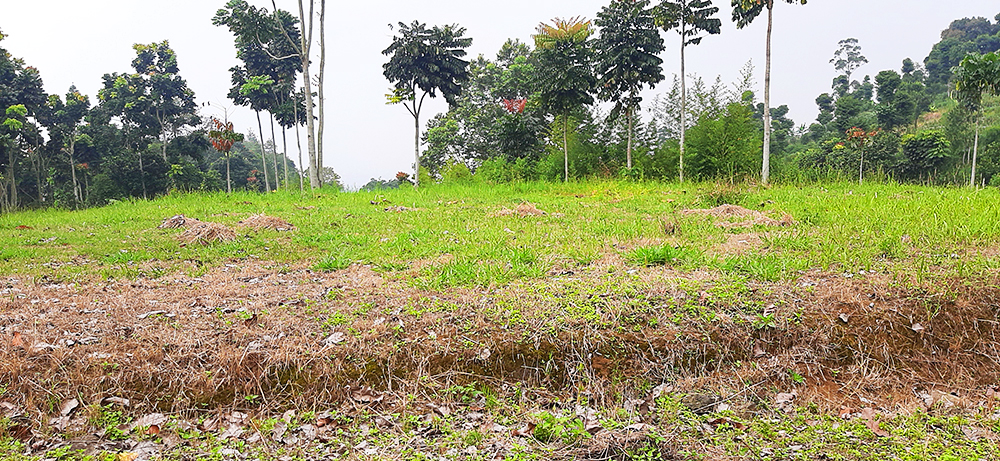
[592,320]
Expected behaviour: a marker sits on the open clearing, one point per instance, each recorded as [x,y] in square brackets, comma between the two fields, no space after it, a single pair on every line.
[582,321]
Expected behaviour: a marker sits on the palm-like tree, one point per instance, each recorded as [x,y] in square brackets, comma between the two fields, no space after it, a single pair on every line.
[566,78]
[425,61]
[975,76]
[690,18]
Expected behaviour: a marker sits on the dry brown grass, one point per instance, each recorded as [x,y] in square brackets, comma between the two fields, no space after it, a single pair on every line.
[734,216]
[206,233]
[177,222]
[260,221]
[179,343]
[522,210]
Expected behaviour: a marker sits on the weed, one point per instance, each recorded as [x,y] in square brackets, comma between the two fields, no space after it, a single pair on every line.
[662,255]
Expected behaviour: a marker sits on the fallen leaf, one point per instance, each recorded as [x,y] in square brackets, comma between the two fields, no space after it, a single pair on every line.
[366,395]
[335,338]
[68,406]
[720,421]
[917,327]
[115,400]
[129,456]
[844,317]
[524,431]
[17,341]
[871,421]
[148,421]
[250,321]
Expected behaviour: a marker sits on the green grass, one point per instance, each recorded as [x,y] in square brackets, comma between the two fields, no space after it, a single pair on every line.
[839,227]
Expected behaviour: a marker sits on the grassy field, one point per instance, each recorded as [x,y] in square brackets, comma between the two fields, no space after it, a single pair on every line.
[593,320]
[899,229]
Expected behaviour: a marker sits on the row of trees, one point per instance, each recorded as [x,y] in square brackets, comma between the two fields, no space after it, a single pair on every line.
[568,67]
[145,136]
[509,116]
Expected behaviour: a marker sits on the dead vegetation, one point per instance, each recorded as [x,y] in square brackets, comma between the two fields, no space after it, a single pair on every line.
[522,210]
[735,216]
[206,233]
[260,222]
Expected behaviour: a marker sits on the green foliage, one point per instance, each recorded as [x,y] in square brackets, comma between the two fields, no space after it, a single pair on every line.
[428,60]
[663,255]
[566,79]
[626,58]
[725,145]
[848,57]
[924,154]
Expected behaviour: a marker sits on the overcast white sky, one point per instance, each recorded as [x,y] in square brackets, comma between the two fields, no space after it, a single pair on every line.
[77,41]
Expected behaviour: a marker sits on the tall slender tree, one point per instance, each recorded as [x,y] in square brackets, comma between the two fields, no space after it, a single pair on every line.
[424,61]
[690,18]
[975,76]
[626,58]
[171,102]
[566,77]
[744,12]
[64,121]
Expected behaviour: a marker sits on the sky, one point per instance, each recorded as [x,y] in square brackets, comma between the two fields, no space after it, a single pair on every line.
[75,42]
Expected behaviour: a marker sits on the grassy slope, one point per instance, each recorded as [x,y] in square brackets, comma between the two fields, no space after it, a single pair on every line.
[845,227]
[456,243]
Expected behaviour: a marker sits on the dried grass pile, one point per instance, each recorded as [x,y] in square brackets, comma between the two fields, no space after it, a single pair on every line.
[177,222]
[522,210]
[207,232]
[733,216]
[261,221]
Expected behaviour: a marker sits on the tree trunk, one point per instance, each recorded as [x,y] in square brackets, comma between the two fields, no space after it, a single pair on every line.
[229,178]
[416,143]
[142,177]
[284,153]
[861,168]
[274,159]
[566,147]
[298,141]
[322,72]
[628,145]
[305,46]
[683,102]
[975,149]
[13,179]
[263,159]
[72,169]
[765,171]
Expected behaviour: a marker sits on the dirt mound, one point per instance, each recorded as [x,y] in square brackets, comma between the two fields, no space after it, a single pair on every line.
[522,210]
[733,216]
[207,232]
[261,221]
[177,222]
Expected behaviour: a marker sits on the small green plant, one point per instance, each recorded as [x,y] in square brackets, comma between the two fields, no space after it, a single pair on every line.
[661,255]
[332,263]
[556,428]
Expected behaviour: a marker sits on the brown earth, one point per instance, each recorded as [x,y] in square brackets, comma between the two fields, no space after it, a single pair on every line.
[294,338]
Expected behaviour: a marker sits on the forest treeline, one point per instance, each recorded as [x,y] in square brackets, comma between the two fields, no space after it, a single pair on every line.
[915,123]
[531,112]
